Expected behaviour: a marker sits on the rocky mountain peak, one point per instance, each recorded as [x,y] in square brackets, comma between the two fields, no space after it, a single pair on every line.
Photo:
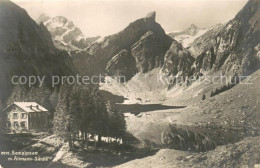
[143,41]
[63,21]
[43,18]
[191,30]
[193,26]
[65,34]
[187,35]
[151,16]
[59,22]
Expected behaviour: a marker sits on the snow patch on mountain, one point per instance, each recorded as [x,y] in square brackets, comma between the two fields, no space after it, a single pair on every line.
[188,35]
[189,39]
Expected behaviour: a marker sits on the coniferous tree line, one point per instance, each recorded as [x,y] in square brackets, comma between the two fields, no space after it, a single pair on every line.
[82,114]
[235,80]
[224,88]
[221,89]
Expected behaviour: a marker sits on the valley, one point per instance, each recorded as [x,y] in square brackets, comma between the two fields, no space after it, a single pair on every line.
[182,99]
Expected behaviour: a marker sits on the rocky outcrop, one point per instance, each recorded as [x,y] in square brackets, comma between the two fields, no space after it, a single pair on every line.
[204,42]
[178,61]
[177,65]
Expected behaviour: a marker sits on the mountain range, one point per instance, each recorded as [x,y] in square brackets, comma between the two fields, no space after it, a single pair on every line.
[232,48]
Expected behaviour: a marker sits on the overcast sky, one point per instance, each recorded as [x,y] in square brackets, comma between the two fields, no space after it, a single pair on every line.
[104,17]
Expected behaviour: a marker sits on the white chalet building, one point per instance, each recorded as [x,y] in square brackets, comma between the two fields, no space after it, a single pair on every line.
[25,116]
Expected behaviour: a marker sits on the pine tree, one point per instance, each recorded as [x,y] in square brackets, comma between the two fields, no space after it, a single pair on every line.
[100,117]
[61,116]
[203,97]
[217,91]
[211,94]
[117,124]
[75,120]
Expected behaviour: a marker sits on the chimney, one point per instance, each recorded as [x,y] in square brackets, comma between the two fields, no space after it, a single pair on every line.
[31,107]
[37,106]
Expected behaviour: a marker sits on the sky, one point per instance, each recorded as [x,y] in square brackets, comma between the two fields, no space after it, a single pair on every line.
[105,17]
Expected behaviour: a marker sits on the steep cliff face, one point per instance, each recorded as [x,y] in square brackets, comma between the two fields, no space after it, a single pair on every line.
[123,64]
[26,49]
[233,47]
[178,61]
[149,51]
[144,39]
[204,42]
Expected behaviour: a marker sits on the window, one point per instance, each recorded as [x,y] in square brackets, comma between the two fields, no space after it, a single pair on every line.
[15,115]
[23,124]
[16,124]
[15,109]
[24,115]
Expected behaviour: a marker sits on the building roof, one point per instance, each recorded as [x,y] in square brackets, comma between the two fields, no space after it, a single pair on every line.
[29,106]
